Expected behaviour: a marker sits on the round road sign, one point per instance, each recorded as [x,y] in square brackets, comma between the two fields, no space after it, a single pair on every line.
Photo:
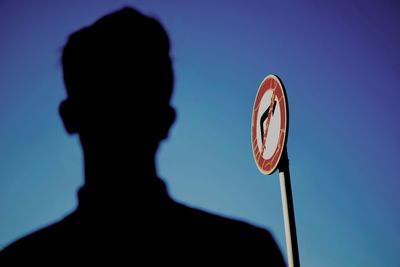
[269,124]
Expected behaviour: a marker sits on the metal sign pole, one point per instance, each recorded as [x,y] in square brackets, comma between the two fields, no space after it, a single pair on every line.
[269,130]
[288,211]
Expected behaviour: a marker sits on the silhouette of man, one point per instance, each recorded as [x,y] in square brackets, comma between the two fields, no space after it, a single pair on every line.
[119,79]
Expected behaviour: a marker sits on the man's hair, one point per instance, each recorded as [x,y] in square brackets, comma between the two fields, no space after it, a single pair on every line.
[124,50]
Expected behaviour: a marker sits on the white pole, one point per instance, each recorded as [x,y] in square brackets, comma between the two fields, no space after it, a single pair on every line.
[289,247]
[288,212]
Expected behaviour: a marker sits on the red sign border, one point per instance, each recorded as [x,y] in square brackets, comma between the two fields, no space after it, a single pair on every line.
[268,166]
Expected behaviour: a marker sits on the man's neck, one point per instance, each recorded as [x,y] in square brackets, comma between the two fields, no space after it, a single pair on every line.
[109,171]
[115,184]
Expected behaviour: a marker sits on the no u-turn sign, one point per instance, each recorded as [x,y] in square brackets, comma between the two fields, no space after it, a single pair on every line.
[269,129]
[269,124]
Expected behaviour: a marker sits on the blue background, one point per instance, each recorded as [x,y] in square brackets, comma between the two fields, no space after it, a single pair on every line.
[339,62]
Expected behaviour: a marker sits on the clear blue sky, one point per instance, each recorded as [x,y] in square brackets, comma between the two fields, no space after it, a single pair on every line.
[339,62]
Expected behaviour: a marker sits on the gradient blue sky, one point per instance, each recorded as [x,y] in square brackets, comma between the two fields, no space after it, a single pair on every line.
[339,62]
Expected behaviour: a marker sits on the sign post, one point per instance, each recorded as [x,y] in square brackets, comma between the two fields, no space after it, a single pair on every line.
[269,131]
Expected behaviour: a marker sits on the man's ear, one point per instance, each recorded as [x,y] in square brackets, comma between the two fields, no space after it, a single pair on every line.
[69,116]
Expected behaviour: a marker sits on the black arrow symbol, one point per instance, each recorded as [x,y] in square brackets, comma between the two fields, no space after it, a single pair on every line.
[265,116]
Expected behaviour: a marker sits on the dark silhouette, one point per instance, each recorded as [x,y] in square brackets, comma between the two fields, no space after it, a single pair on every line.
[119,80]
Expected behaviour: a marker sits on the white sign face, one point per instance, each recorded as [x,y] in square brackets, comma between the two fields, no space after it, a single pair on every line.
[269,124]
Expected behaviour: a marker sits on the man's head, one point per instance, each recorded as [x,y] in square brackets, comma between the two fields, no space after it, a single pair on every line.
[119,81]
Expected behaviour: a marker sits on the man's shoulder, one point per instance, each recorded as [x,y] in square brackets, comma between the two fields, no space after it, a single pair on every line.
[199,218]
[230,235]
[37,244]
